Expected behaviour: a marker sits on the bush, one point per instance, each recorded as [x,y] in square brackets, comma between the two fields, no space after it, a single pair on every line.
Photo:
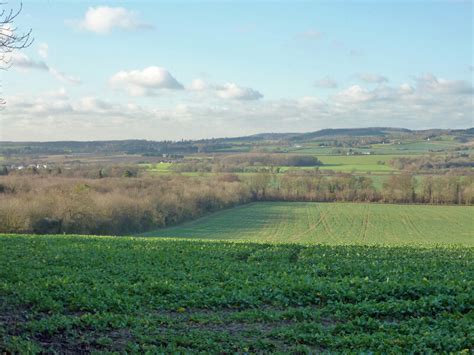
[47,226]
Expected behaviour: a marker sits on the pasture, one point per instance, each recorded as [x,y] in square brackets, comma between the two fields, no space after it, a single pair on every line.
[334,224]
[359,163]
[120,294]
[160,167]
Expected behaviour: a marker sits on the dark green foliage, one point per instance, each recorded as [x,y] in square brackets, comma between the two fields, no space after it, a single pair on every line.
[76,293]
[47,226]
[258,159]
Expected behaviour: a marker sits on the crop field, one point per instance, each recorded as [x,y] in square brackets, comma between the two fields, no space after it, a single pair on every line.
[120,294]
[417,147]
[405,147]
[372,163]
[427,146]
[158,167]
[334,224]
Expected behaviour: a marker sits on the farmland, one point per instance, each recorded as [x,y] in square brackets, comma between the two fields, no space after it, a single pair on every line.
[236,177]
[85,293]
[340,163]
[334,224]
[362,151]
[276,243]
[442,143]
[360,163]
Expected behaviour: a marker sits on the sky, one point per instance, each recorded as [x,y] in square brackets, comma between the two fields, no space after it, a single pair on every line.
[171,70]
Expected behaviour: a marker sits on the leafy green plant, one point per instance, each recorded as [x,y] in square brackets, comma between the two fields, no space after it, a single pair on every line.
[120,294]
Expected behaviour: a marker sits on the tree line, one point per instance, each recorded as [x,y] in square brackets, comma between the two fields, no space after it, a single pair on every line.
[55,204]
[38,204]
[235,163]
[434,162]
[401,188]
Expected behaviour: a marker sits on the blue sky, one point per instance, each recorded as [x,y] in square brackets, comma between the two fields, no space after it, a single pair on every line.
[233,68]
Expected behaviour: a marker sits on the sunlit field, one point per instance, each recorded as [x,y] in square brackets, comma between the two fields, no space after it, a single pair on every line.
[334,224]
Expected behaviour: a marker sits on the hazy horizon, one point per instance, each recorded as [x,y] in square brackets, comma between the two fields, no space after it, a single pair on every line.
[220,137]
[107,70]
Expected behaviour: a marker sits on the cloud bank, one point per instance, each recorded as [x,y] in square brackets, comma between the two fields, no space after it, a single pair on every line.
[426,101]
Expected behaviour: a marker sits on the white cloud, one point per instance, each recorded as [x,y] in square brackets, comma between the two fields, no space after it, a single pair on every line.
[327,83]
[23,62]
[406,88]
[228,91]
[6,30]
[145,82]
[149,81]
[355,94]
[60,94]
[63,77]
[199,85]
[427,90]
[235,92]
[92,104]
[103,19]
[372,78]
[431,83]
[30,107]
[43,50]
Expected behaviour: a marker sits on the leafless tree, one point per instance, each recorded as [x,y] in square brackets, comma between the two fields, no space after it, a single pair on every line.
[11,38]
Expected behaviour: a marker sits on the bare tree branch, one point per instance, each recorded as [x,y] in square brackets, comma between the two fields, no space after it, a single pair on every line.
[10,37]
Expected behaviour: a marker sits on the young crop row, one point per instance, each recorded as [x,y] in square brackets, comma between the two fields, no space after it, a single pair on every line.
[334,224]
[78,293]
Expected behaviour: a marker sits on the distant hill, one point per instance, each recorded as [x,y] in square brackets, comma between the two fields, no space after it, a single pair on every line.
[148,147]
[351,132]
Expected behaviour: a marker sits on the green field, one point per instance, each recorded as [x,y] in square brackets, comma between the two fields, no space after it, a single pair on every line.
[334,224]
[132,295]
[359,163]
[271,277]
[340,163]
[409,146]
[157,168]
[348,163]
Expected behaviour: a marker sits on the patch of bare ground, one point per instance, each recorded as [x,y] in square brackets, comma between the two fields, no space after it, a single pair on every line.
[227,320]
[12,317]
